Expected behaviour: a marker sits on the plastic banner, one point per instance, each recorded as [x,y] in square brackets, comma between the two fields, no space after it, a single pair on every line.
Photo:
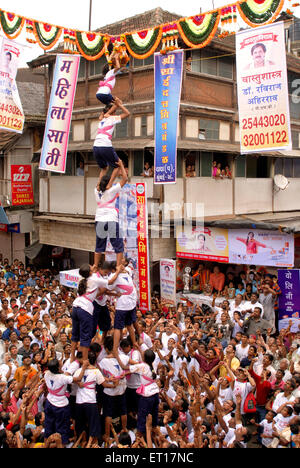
[168,282]
[289,299]
[208,244]
[268,248]
[143,248]
[168,82]
[21,185]
[56,136]
[11,113]
[263,89]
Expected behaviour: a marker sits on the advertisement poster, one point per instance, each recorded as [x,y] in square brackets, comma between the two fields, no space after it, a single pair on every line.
[11,112]
[209,244]
[268,248]
[168,282]
[263,89]
[56,136]
[21,185]
[289,299]
[168,82]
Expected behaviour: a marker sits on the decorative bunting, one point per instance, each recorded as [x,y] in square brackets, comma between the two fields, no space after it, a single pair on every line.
[90,44]
[70,46]
[142,44]
[29,31]
[198,31]
[259,12]
[12,24]
[46,35]
[170,38]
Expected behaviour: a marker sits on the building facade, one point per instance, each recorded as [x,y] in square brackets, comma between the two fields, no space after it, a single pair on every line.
[19,149]
[208,131]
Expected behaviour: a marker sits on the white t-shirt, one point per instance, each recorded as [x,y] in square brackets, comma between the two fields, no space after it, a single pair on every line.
[55,382]
[106,204]
[91,378]
[134,380]
[71,368]
[249,306]
[85,302]
[281,422]
[241,352]
[150,387]
[112,82]
[147,340]
[165,339]
[110,367]
[102,298]
[233,437]
[281,400]
[107,125]
[125,286]
[242,388]
[268,431]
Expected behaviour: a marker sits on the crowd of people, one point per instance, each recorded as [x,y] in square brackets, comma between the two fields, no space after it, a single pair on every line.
[173,377]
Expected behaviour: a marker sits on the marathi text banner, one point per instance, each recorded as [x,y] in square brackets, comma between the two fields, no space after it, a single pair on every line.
[168,81]
[56,136]
[263,89]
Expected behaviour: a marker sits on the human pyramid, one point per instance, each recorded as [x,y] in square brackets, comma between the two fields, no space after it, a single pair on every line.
[90,370]
[90,310]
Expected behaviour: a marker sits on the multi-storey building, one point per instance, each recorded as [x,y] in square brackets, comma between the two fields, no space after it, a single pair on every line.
[208,131]
[19,149]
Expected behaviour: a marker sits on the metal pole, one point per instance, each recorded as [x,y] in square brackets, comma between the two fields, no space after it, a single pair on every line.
[90,15]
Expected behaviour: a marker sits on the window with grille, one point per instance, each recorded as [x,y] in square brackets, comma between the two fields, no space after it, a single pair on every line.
[209,129]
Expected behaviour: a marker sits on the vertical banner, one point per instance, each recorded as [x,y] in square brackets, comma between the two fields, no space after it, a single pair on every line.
[168,82]
[143,249]
[21,185]
[262,84]
[56,136]
[126,205]
[168,282]
[11,113]
[289,299]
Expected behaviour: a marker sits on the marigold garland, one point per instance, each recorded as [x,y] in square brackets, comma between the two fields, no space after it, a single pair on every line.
[196,31]
[46,35]
[142,44]
[90,45]
[254,13]
[12,24]
[202,33]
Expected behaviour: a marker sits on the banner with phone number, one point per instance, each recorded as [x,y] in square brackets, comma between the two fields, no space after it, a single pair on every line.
[11,112]
[263,89]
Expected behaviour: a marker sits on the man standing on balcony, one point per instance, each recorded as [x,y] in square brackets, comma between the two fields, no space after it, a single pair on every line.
[217,280]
